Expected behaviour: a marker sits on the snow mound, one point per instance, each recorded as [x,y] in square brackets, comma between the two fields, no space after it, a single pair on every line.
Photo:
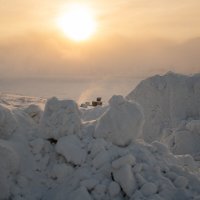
[35,112]
[8,122]
[9,165]
[184,139]
[60,118]
[70,147]
[138,171]
[62,158]
[121,123]
[167,101]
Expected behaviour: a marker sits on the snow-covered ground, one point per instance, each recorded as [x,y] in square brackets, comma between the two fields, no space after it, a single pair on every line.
[138,147]
[77,88]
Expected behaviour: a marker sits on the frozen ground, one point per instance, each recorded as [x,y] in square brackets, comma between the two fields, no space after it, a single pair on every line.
[139,147]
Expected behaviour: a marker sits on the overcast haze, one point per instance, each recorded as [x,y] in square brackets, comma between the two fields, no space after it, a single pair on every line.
[134,38]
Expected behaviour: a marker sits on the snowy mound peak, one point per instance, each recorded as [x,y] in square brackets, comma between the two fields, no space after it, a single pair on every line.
[167,101]
[121,123]
[60,118]
[116,100]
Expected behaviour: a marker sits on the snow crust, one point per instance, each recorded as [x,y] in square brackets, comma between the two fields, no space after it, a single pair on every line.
[63,153]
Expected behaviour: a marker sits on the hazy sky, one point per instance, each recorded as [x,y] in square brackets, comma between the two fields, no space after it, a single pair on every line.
[134,38]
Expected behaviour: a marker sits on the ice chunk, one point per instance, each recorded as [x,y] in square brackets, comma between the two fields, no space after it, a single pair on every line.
[34,111]
[102,158]
[114,189]
[194,126]
[97,146]
[100,189]
[149,189]
[70,147]
[121,123]
[89,183]
[80,194]
[60,171]
[128,159]
[37,145]
[161,148]
[99,192]
[184,142]
[181,182]
[124,176]
[60,118]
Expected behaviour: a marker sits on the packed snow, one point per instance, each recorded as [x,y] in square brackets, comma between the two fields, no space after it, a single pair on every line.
[171,105]
[143,146]
[121,123]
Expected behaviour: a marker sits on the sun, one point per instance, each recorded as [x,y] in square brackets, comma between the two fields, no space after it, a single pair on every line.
[78,22]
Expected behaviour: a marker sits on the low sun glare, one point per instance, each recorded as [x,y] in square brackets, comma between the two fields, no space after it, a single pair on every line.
[77,23]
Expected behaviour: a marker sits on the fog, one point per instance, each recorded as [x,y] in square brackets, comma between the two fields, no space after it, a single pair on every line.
[134,39]
[38,55]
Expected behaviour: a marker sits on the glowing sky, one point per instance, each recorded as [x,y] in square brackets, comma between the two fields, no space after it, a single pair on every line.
[133,37]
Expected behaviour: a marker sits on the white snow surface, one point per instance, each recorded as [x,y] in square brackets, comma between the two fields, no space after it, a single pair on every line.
[171,105]
[57,152]
[121,123]
[60,118]
[70,147]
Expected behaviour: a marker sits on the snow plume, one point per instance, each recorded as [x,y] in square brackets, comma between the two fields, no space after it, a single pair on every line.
[90,93]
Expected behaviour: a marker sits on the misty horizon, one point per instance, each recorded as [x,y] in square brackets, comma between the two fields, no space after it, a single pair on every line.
[124,58]
[130,41]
